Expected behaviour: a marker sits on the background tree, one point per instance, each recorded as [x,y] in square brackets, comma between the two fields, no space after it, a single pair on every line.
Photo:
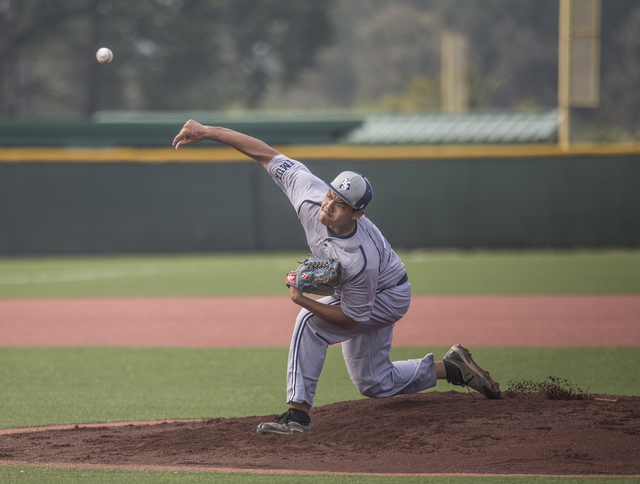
[221,54]
[169,54]
[513,57]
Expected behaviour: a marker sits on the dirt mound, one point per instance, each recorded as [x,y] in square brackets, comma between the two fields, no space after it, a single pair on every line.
[553,387]
[433,432]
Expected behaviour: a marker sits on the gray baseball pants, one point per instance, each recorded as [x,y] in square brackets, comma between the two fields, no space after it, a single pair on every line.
[365,349]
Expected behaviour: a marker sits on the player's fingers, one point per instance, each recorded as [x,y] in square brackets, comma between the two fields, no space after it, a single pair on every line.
[185,141]
[187,135]
[181,139]
[182,135]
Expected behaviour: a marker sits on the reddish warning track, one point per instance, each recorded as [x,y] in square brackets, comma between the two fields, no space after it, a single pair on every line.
[475,321]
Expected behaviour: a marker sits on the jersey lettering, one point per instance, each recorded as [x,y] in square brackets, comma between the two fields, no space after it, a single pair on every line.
[284,166]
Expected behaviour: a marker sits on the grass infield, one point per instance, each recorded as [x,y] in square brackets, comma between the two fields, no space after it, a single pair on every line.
[48,475]
[49,386]
[435,272]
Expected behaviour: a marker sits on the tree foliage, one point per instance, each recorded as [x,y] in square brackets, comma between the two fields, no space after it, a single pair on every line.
[382,46]
[219,54]
[169,54]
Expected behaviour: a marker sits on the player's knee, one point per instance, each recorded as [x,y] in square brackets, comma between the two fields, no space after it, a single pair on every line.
[369,393]
[369,389]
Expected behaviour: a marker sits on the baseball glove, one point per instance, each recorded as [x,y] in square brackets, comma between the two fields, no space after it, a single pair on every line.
[315,276]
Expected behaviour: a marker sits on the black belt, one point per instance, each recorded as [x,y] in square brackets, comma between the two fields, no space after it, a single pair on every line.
[404,279]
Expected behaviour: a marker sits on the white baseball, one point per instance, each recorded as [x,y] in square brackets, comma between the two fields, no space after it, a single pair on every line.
[104,55]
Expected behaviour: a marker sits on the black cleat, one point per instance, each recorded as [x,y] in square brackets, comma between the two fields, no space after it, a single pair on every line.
[462,370]
[293,421]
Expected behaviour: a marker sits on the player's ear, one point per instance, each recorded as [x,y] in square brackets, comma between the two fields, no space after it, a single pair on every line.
[357,214]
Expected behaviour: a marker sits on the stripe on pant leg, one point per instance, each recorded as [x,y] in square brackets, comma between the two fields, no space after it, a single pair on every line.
[296,347]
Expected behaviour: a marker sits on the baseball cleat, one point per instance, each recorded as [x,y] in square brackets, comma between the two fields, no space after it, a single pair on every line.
[293,421]
[462,370]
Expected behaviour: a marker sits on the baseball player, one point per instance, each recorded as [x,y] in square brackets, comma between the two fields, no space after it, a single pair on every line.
[373,294]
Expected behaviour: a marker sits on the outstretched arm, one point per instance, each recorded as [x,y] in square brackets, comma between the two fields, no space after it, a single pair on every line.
[193,132]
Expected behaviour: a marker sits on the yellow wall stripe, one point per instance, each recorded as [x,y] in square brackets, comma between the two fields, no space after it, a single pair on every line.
[191,154]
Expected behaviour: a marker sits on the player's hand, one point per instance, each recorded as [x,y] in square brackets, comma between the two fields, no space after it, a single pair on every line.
[295,294]
[191,132]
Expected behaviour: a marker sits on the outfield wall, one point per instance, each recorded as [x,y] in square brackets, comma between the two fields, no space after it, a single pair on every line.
[115,204]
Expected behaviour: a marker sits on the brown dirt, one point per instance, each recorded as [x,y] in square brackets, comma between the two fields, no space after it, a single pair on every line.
[433,432]
[552,321]
[427,433]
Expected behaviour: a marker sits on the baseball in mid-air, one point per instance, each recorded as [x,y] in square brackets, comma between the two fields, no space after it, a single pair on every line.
[104,55]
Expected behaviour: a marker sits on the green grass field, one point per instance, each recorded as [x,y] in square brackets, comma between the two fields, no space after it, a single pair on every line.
[48,475]
[22,474]
[442,272]
[45,386]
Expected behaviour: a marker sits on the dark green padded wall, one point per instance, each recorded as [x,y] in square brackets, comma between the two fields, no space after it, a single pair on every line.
[48,208]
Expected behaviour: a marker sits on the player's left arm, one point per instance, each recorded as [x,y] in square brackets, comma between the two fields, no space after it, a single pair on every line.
[328,312]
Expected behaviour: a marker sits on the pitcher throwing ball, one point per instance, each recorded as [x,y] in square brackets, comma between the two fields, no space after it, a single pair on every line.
[372,294]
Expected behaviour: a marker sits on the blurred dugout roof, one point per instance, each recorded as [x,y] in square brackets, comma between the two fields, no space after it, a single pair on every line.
[157,129]
[478,128]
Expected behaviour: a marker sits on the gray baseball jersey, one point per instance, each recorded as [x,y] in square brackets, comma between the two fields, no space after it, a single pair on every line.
[373,291]
[369,264]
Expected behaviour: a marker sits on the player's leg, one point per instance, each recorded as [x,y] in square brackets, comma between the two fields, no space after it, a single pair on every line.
[375,375]
[311,337]
[367,354]
[309,342]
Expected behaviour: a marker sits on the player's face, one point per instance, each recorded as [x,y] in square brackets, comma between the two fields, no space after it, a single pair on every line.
[337,214]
